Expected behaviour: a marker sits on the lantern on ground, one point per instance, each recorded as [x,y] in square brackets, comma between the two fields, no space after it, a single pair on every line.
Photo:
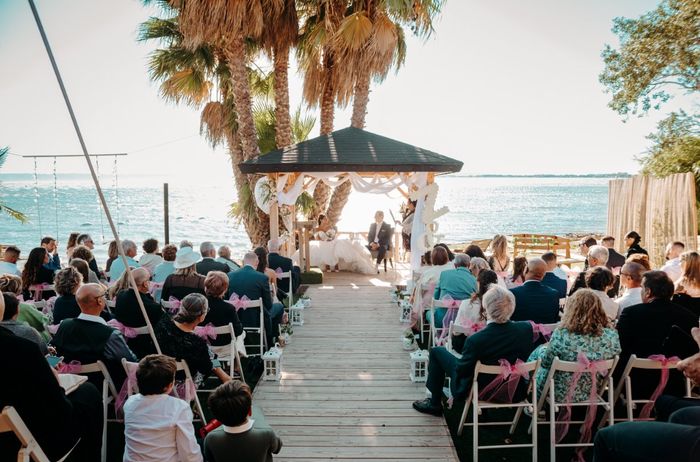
[405,313]
[272,360]
[419,366]
[296,314]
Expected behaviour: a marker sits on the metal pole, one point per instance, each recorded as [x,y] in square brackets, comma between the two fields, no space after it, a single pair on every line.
[92,173]
[166,213]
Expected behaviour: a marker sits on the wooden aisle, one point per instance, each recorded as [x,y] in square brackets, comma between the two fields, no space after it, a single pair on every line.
[345,392]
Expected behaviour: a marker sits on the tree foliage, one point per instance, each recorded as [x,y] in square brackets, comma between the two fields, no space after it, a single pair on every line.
[659,52]
[4,209]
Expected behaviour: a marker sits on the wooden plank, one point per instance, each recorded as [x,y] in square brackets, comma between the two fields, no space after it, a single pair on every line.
[367,431]
[367,452]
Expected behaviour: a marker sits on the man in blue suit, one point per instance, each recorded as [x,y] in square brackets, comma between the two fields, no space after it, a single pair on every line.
[534,301]
[247,281]
[550,279]
[458,283]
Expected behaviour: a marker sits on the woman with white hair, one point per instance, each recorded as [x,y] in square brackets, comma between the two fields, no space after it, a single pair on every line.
[500,339]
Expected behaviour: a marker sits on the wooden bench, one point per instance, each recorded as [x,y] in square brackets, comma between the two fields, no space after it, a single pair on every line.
[540,243]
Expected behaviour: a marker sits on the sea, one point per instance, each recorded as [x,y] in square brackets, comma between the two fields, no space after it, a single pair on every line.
[479,207]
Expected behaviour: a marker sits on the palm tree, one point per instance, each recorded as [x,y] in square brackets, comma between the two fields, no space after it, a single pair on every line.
[4,208]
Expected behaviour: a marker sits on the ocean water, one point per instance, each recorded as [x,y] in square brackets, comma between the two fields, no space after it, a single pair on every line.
[479,208]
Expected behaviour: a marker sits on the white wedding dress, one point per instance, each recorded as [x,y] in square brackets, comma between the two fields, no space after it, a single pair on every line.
[349,254]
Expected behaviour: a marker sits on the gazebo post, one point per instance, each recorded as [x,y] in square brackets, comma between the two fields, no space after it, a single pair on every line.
[274,212]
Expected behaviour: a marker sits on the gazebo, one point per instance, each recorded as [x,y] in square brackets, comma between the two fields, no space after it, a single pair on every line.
[371,162]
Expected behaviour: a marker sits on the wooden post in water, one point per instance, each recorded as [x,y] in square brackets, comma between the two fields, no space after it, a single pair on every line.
[166,213]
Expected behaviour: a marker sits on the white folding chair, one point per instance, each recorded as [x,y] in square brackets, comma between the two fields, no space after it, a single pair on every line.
[34,289]
[419,297]
[10,421]
[260,331]
[38,304]
[626,381]
[133,388]
[454,329]
[290,293]
[166,304]
[228,353]
[477,405]
[548,397]
[436,332]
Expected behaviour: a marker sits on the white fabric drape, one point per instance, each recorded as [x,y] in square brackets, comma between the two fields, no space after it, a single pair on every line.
[418,228]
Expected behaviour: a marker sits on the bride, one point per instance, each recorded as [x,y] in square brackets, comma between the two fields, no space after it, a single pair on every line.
[329,252]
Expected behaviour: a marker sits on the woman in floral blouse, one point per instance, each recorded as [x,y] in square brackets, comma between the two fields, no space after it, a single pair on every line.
[584,328]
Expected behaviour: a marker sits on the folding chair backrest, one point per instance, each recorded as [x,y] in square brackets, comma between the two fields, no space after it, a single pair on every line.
[570,366]
[38,304]
[485,369]
[290,293]
[182,366]
[130,368]
[228,352]
[10,421]
[99,367]
[260,330]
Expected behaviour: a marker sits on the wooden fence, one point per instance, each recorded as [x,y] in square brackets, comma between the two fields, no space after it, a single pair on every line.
[661,210]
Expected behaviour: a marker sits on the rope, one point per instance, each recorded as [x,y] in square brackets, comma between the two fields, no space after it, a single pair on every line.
[55,196]
[99,207]
[115,183]
[36,199]
[94,176]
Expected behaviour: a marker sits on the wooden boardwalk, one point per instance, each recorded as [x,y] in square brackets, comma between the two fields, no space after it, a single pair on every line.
[345,392]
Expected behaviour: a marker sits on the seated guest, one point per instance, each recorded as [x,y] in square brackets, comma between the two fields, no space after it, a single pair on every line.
[117,286]
[128,311]
[550,278]
[49,243]
[185,280]
[27,312]
[632,240]
[244,431]
[499,260]
[220,312]
[687,290]
[117,268]
[83,268]
[425,259]
[615,259]
[86,240]
[585,328]
[185,243]
[471,311]
[8,265]
[275,260]
[535,301]
[597,256]
[672,267]
[450,254]
[631,280]
[150,258]
[167,266]
[88,338]
[20,329]
[458,283]
[67,283]
[177,339]
[71,243]
[474,251]
[600,280]
[500,339]
[224,253]
[158,426]
[263,268]
[644,330]
[477,265]
[584,246]
[641,259]
[34,273]
[80,252]
[247,281]
[428,280]
[208,263]
[519,269]
[57,421]
[112,254]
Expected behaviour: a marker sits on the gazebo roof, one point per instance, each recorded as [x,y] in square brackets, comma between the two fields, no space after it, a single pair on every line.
[351,150]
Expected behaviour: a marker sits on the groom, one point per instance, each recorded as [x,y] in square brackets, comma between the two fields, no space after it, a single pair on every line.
[379,237]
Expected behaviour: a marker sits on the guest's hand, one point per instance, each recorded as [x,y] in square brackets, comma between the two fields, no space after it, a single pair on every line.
[691,366]
[223,376]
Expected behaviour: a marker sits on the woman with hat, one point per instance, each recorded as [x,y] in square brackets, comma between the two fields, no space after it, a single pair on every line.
[185,280]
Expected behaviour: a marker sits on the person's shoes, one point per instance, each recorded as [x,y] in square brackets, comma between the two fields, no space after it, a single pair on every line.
[426,406]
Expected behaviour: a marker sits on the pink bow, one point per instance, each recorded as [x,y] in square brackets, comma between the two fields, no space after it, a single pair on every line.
[73,367]
[278,271]
[506,381]
[38,290]
[128,332]
[474,327]
[646,410]
[540,331]
[128,387]
[52,328]
[154,287]
[207,332]
[585,366]
[450,303]
[186,390]
[174,304]
[48,306]
[241,303]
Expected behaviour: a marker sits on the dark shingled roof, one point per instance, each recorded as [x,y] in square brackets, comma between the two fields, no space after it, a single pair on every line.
[351,150]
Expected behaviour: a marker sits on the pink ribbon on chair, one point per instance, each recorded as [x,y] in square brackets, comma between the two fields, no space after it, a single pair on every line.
[562,427]
[128,332]
[52,328]
[73,367]
[241,303]
[207,332]
[186,390]
[128,386]
[38,290]
[646,410]
[48,306]
[540,331]
[506,381]
[452,306]
[278,271]
[154,287]
[474,327]
[174,304]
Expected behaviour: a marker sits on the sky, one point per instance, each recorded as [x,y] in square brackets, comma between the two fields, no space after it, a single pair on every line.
[508,87]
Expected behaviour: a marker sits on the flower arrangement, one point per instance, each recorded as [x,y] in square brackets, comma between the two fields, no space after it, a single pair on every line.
[409,340]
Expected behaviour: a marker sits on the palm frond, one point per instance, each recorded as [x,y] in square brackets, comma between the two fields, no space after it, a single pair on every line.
[3,155]
[16,214]
[163,29]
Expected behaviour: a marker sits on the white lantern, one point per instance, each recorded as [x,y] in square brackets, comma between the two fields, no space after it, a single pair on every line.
[306,301]
[419,366]
[406,308]
[296,314]
[273,363]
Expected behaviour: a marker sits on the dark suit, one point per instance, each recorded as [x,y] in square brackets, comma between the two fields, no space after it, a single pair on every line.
[643,331]
[615,259]
[128,312]
[274,261]
[383,239]
[247,281]
[209,264]
[55,419]
[534,301]
[553,281]
[580,283]
[510,341]
[222,313]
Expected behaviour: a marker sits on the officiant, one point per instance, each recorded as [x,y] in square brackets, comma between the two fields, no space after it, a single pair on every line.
[379,237]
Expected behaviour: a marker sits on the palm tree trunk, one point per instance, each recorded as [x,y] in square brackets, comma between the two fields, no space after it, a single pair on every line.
[322,192]
[283,123]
